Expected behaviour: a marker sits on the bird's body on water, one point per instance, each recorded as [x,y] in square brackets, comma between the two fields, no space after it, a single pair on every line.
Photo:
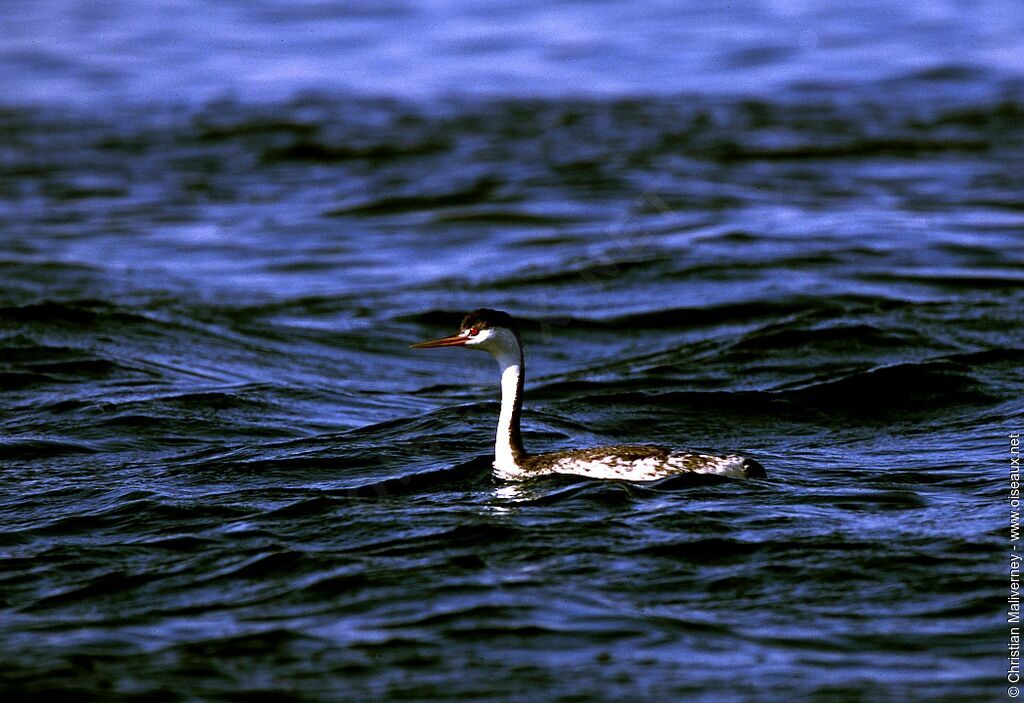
[494,331]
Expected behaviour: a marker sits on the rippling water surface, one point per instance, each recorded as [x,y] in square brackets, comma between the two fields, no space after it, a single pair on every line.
[769,231]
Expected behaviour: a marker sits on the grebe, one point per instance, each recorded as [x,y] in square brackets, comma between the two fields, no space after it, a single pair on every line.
[494,332]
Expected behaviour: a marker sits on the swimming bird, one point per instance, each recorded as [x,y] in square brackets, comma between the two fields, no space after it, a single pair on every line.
[495,332]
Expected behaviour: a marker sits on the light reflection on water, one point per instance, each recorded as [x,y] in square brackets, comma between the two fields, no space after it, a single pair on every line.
[169,52]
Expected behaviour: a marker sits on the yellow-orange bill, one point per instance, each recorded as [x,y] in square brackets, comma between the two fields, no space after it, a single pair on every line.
[453,341]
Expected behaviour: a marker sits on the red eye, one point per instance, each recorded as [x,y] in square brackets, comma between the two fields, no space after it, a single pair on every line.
[473,331]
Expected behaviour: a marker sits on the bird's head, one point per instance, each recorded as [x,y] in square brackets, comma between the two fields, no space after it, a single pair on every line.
[491,331]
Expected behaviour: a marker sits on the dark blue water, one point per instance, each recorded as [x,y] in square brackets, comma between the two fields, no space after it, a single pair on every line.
[789,232]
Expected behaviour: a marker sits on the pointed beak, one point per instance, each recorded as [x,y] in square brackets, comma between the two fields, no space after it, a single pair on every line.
[453,341]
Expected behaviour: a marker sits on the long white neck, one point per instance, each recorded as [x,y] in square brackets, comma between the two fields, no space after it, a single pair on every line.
[508,442]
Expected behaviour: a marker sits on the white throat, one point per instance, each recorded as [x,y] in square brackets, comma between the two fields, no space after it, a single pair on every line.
[510,364]
[504,345]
